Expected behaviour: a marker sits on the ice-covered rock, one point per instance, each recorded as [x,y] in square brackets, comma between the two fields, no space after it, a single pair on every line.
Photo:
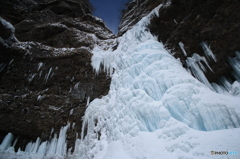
[7,37]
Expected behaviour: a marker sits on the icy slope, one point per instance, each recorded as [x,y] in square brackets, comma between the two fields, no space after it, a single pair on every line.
[155,108]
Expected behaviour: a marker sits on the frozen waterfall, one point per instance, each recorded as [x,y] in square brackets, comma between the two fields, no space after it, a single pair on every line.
[154,109]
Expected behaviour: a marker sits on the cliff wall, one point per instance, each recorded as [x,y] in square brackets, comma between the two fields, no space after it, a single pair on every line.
[46,77]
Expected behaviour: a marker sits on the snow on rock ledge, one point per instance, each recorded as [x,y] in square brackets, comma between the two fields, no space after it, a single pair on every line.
[6,33]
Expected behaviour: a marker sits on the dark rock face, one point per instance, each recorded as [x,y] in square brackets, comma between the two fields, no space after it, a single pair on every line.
[46,78]
[37,21]
[135,11]
[39,94]
[193,22]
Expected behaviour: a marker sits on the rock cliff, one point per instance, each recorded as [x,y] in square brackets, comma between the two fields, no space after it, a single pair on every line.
[46,78]
[135,11]
[196,26]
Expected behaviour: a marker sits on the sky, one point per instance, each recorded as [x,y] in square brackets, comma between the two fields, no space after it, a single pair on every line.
[109,11]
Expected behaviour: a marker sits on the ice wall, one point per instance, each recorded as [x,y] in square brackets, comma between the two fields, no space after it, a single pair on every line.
[54,148]
[149,90]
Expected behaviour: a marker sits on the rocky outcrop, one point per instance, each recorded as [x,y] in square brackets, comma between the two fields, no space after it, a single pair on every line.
[135,11]
[50,23]
[193,24]
[46,77]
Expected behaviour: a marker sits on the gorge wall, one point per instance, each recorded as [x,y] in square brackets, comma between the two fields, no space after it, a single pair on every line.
[46,78]
[193,24]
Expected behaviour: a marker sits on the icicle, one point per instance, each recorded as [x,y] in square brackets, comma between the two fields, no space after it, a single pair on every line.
[156,12]
[40,64]
[56,146]
[96,62]
[88,100]
[15,142]
[29,147]
[208,52]
[181,45]
[31,77]
[196,67]
[47,75]
[235,63]
[235,90]
[71,112]
[6,143]
[218,88]
[76,85]
[175,22]
[226,83]
[36,145]
[73,125]
[2,66]
[61,144]
[42,148]
[52,146]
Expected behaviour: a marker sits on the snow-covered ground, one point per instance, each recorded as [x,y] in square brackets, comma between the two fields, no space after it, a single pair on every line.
[154,109]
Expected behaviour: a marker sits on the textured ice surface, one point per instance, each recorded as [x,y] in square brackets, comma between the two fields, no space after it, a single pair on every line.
[156,108]
[55,148]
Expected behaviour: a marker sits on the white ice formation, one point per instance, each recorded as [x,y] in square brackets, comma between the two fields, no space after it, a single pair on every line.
[54,148]
[208,52]
[181,45]
[154,109]
[235,63]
